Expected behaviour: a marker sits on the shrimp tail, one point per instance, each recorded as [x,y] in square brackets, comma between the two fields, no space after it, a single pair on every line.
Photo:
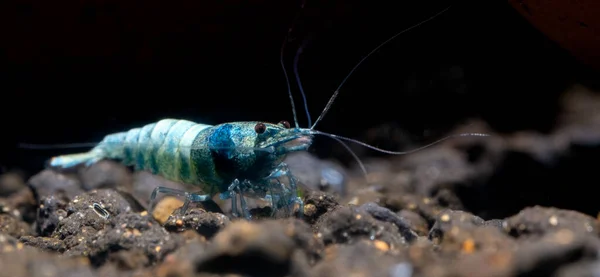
[72,160]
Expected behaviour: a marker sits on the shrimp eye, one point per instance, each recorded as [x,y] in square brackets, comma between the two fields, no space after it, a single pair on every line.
[260,128]
[285,124]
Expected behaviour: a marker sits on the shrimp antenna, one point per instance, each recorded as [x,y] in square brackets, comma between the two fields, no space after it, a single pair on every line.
[360,164]
[287,79]
[57,146]
[341,140]
[399,152]
[368,55]
[296,58]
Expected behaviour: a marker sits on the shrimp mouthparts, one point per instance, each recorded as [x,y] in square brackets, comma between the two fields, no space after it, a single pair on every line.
[301,141]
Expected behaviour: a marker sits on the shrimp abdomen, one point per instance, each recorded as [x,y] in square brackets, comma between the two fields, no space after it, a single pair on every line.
[162,148]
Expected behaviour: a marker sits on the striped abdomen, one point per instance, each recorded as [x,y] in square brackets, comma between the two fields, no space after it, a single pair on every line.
[162,148]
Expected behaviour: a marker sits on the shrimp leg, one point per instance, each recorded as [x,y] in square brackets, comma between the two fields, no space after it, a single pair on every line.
[283,170]
[232,193]
[269,197]
[243,204]
[236,189]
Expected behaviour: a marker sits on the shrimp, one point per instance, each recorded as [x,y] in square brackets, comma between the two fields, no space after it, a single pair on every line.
[234,160]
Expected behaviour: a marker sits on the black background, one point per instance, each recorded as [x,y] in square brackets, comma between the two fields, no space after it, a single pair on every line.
[73,71]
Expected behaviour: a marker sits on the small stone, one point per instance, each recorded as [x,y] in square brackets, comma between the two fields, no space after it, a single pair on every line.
[381,245]
[468,246]
[445,217]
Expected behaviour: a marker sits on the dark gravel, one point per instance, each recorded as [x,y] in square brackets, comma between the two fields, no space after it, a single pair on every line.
[442,211]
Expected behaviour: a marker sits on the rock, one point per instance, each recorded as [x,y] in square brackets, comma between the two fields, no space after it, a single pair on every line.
[243,245]
[349,224]
[50,182]
[205,223]
[10,183]
[537,221]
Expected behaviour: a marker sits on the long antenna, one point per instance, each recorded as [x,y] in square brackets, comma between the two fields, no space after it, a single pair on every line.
[287,79]
[400,152]
[57,146]
[300,50]
[365,57]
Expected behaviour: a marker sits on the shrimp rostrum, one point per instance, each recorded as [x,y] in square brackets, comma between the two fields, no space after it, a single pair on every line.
[234,160]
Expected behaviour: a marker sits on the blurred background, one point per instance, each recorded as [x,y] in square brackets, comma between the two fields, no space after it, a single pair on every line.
[74,71]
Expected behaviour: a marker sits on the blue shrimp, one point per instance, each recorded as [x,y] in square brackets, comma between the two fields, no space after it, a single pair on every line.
[234,160]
